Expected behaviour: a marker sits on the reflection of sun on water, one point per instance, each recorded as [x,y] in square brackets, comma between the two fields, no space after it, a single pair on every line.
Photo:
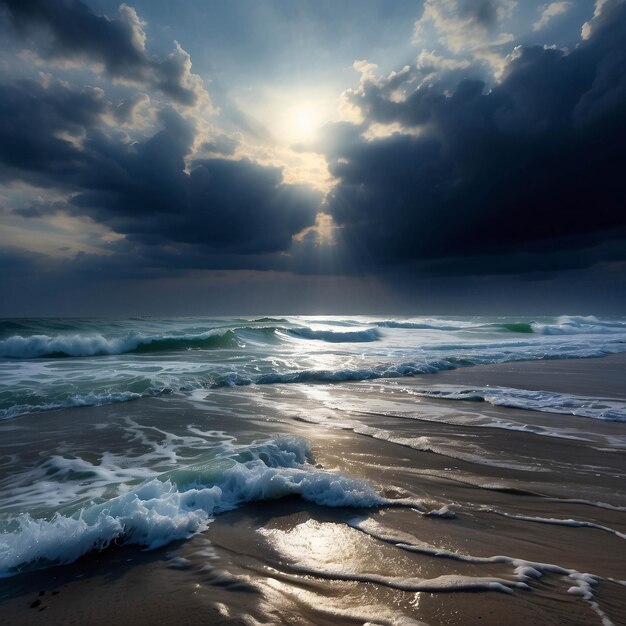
[315,545]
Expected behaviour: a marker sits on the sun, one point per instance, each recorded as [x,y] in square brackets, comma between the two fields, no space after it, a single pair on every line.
[302,122]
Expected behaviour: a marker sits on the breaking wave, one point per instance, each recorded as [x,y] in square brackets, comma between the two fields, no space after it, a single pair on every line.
[578,325]
[517,327]
[83,345]
[37,346]
[334,336]
[564,325]
[422,325]
[182,502]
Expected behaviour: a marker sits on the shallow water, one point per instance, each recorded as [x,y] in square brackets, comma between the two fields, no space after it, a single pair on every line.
[505,481]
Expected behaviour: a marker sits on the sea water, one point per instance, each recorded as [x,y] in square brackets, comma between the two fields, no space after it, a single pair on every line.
[142,431]
[55,363]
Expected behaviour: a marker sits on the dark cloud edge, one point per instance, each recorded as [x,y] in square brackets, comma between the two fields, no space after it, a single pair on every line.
[396,197]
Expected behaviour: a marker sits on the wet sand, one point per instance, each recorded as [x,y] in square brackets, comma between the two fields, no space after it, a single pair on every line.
[594,377]
[537,500]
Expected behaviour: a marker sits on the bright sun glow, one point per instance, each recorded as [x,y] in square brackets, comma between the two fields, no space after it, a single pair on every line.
[294,120]
[302,122]
[291,116]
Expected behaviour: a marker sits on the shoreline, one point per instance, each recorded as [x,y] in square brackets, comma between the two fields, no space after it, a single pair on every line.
[571,375]
[258,563]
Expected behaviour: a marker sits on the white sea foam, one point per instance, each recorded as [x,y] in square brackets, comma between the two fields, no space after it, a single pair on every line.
[81,345]
[582,583]
[573,523]
[611,410]
[595,503]
[334,336]
[579,325]
[446,582]
[94,344]
[89,399]
[121,358]
[385,370]
[183,502]
[442,447]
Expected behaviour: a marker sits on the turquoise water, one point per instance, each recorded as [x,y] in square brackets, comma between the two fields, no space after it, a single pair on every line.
[56,363]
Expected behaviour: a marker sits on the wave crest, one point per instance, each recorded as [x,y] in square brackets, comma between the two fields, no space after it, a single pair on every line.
[579,325]
[334,336]
[37,346]
[181,503]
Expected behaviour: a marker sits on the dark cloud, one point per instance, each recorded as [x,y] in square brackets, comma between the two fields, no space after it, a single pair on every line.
[16,260]
[492,180]
[477,179]
[54,134]
[174,210]
[68,30]
[39,208]
[484,12]
[127,111]
[37,121]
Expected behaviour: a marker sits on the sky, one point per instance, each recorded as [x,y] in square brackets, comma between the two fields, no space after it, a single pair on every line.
[289,156]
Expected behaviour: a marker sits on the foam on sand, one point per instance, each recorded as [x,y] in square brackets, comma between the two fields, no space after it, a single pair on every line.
[580,583]
[606,409]
[183,502]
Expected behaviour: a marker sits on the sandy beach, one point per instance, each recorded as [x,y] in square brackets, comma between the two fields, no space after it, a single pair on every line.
[487,522]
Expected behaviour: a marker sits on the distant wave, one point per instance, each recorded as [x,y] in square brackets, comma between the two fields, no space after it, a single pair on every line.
[180,503]
[564,325]
[82,345]
[279,320]
[37,346]
[387,370]
[514,327]
[421,325]
[577,325]
[334,336]
[517,327]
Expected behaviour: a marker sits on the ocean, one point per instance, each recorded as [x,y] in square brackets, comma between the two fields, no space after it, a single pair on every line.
[310,470]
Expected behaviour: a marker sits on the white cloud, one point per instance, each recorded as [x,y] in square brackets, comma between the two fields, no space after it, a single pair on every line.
[465,25]
[548,11]
[601,7]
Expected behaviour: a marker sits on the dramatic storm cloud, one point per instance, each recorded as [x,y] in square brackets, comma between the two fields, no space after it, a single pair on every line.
[528,165]
[68,31]
[483,140]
